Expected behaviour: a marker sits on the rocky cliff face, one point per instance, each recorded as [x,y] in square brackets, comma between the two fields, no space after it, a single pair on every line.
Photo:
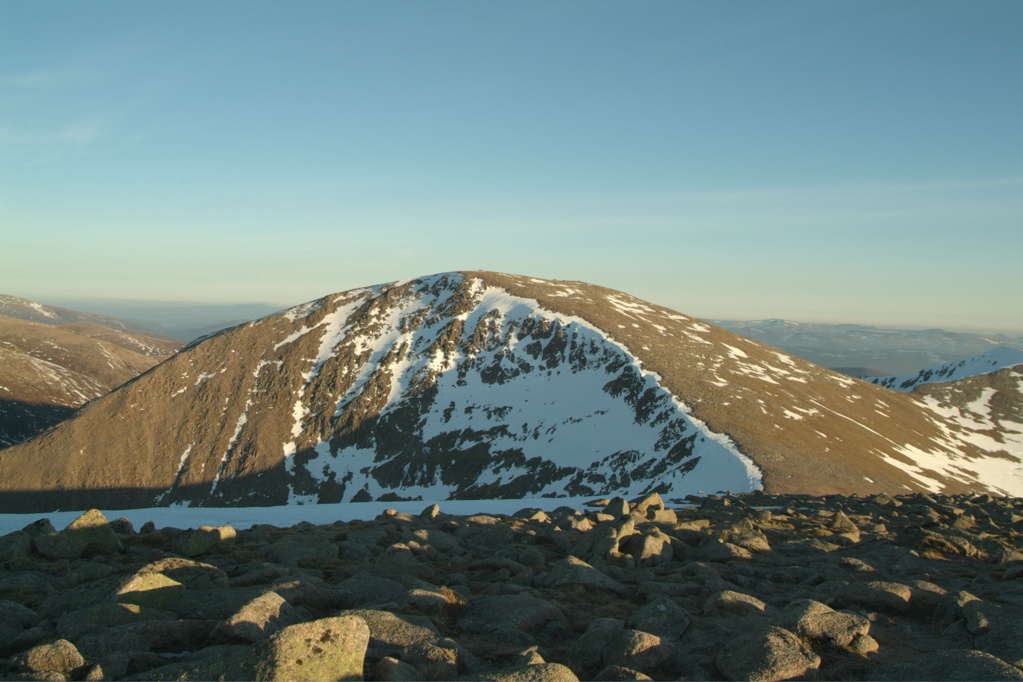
[466,385]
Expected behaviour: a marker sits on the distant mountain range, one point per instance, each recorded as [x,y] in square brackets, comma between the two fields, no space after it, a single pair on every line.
[53,360]
[183,321]
[478,384]
[866,351]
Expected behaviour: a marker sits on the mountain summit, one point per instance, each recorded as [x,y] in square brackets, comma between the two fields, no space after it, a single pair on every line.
[477,385]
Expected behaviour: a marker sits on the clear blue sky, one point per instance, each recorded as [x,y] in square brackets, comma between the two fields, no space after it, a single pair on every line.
[830,161]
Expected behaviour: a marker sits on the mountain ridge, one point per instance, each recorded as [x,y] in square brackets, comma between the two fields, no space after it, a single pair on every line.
[982,363]
[357,395]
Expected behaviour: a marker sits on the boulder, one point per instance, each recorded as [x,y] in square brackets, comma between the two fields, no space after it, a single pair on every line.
[74,624]
[61,656]
[542,672]
[953,664]
[574,571]
[765,655]
[518,611]
[662,617]
[328,649]
[258,619]
[733,603]
[149,589]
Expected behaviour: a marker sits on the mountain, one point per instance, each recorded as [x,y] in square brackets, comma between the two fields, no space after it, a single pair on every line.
[984,363]
[48,370]
[865,351]
[987,408]
[477,385]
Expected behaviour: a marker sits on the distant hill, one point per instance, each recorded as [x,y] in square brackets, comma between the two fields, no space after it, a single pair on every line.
[24,309]
[49,368]
[984,363]
[485,385]
[850,346]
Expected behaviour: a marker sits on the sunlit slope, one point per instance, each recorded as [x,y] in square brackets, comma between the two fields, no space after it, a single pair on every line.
[48,370]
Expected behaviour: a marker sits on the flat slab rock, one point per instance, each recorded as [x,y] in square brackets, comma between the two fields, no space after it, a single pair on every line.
[745,587]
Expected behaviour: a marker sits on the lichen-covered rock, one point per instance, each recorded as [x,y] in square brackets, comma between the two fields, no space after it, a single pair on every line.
[365,589]
[60,655]
[27,589]
[766,655]
[326,650]
[953,665]
[519,611]
[74,624]
[193,543]
[150,589]
[734,603]
[586,654]
[307,554]
[391,633]
[17,614]
[820,622]
[390,669]
[95,530]
[149,635]
[258,619]
[638,650]
[542,672]
[662,617]
[617,673]
[226,663]
[574,571]
[647,549]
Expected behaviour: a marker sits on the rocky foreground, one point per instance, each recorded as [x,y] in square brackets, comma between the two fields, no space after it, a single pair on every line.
[750,587]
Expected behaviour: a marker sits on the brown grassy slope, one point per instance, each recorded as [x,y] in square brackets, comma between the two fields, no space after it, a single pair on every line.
[70,364]
[49,370]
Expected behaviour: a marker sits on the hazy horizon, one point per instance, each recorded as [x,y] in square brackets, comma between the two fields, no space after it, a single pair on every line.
[111,304]
[839,162]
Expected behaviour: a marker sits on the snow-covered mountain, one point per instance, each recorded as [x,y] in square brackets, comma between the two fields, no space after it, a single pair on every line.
[473,385]
[862,348]
[984,363]
[986,410]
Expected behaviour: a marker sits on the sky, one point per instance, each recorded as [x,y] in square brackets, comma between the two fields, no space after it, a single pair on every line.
[856,162]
